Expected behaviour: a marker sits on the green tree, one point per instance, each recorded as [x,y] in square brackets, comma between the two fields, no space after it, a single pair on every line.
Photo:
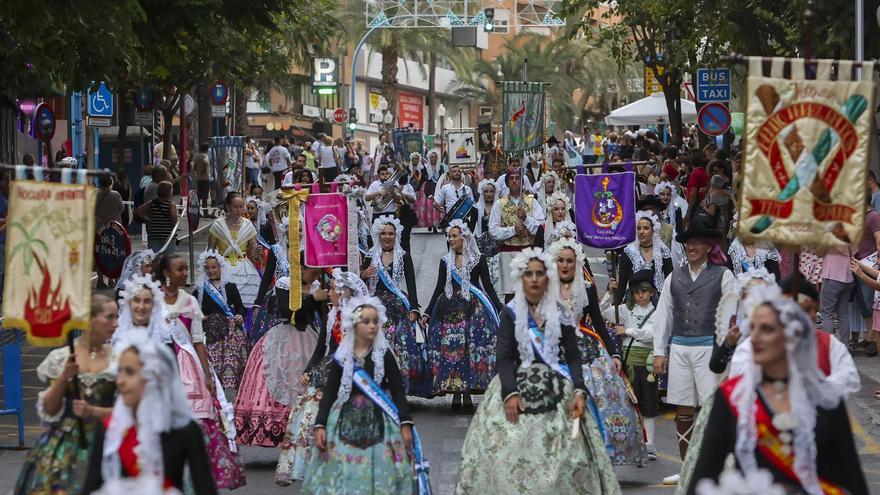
[575,70]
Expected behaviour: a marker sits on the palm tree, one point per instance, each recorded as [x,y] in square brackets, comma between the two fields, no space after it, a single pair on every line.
[28,245]
[572,68]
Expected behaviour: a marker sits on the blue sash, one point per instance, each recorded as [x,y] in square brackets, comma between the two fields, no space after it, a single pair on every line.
[215,294]
[374,392]
[479,295]
[386,280]
[537,338]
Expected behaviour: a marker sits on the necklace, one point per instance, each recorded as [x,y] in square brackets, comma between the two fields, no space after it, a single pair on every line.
[94,352]
[784,422]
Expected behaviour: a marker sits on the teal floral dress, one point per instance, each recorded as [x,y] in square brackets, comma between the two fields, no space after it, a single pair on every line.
[539,453]
[58,463]
[365,450]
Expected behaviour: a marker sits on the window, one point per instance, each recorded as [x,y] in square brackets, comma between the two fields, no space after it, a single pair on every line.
[501,22]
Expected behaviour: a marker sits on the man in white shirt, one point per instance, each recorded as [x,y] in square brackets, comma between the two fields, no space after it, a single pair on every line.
[691,298]
[588,146]
[252,162]
[325,157]
[513,223]
[501,181]
[446,197]
[397,192]
[278,159]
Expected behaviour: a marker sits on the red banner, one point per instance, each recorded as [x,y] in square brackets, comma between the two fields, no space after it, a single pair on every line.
[326,230]
[771,207]
[411,110]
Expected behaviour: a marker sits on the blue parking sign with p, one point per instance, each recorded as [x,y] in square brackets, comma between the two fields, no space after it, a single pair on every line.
[100,102]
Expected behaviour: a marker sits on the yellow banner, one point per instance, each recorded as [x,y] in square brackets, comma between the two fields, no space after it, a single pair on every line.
[50,237]
[806,156]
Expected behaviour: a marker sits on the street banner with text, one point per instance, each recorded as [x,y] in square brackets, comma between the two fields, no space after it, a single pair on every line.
[50,238]
[806,154]
[605,209]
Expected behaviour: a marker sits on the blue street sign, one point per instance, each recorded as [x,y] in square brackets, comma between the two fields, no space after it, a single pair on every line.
[219,93]
[101,102]
[712,85]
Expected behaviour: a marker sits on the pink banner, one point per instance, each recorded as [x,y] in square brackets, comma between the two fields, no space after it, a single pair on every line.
[326,230]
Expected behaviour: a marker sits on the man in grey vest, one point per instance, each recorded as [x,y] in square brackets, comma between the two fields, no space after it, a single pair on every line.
[689,302]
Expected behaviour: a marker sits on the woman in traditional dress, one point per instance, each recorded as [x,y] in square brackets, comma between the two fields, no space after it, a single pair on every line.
[151,437]
[546,187]
[488,245]
[56,464]
[673,213]
[463,320]
[363,432]
[297,446]
[270,259]
[431,171]
[386,271]
[747,256]
[224,331]
[600,359]
[522,439]
[235,238]
[271,380]
[647,252]
[556,210]
[203,390]
[137,263]
[782,411]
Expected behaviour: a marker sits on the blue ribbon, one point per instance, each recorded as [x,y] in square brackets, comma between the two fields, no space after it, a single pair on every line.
[215,294]
[562,369]
[386,280]
[374,392]
[479,295]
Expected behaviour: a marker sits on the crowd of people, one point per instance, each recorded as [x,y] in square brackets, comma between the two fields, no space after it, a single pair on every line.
[167,385]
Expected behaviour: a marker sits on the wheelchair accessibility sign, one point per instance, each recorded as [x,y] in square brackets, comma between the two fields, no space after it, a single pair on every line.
[101,102]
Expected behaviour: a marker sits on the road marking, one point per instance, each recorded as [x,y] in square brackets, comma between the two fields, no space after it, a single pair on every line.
[870,445]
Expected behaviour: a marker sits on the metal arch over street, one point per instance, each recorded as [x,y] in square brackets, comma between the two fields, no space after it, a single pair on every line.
[449,13]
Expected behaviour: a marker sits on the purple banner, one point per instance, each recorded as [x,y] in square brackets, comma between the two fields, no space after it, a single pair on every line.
[605,209]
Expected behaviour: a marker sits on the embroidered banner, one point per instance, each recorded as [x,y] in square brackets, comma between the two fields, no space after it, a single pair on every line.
[50,238]
[523,112]
[605,209]
[806,155]
[326,230]
[461,146]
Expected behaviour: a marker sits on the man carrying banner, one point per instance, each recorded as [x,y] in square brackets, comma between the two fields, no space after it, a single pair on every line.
[513,223]
[689,301]
[501,181]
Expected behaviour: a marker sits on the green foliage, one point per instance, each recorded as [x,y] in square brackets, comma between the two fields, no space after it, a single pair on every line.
[573,67]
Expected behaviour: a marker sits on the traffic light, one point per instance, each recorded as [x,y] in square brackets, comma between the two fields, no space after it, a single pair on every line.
[490,18]
[352,119]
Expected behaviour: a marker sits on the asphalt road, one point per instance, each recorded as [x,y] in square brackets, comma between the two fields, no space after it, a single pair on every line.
[443,430]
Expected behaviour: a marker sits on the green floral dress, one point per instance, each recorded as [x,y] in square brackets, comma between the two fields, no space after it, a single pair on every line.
[538,454]
[57,463]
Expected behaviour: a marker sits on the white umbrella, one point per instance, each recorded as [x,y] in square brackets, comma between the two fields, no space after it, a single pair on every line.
[650,110]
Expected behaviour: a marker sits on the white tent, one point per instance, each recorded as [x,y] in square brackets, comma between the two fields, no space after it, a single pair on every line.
[650,110]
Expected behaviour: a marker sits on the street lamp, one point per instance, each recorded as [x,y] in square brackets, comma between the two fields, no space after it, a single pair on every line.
[441,112]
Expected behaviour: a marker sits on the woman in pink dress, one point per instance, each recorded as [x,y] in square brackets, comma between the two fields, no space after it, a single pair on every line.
[429,172]
[271,378]
[202,388]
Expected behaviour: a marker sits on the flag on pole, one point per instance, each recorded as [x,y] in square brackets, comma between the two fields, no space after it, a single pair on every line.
[605,209]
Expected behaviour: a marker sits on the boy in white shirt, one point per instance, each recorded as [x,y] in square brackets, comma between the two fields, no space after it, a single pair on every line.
[638,346]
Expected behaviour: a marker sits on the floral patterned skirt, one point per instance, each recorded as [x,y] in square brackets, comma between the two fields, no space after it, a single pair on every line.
[259,419]
[461,345]
[538,453]
[294,459]
[227,348]
[56,463]
[411,356]
[620,418]
[365,453]
[226,466]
